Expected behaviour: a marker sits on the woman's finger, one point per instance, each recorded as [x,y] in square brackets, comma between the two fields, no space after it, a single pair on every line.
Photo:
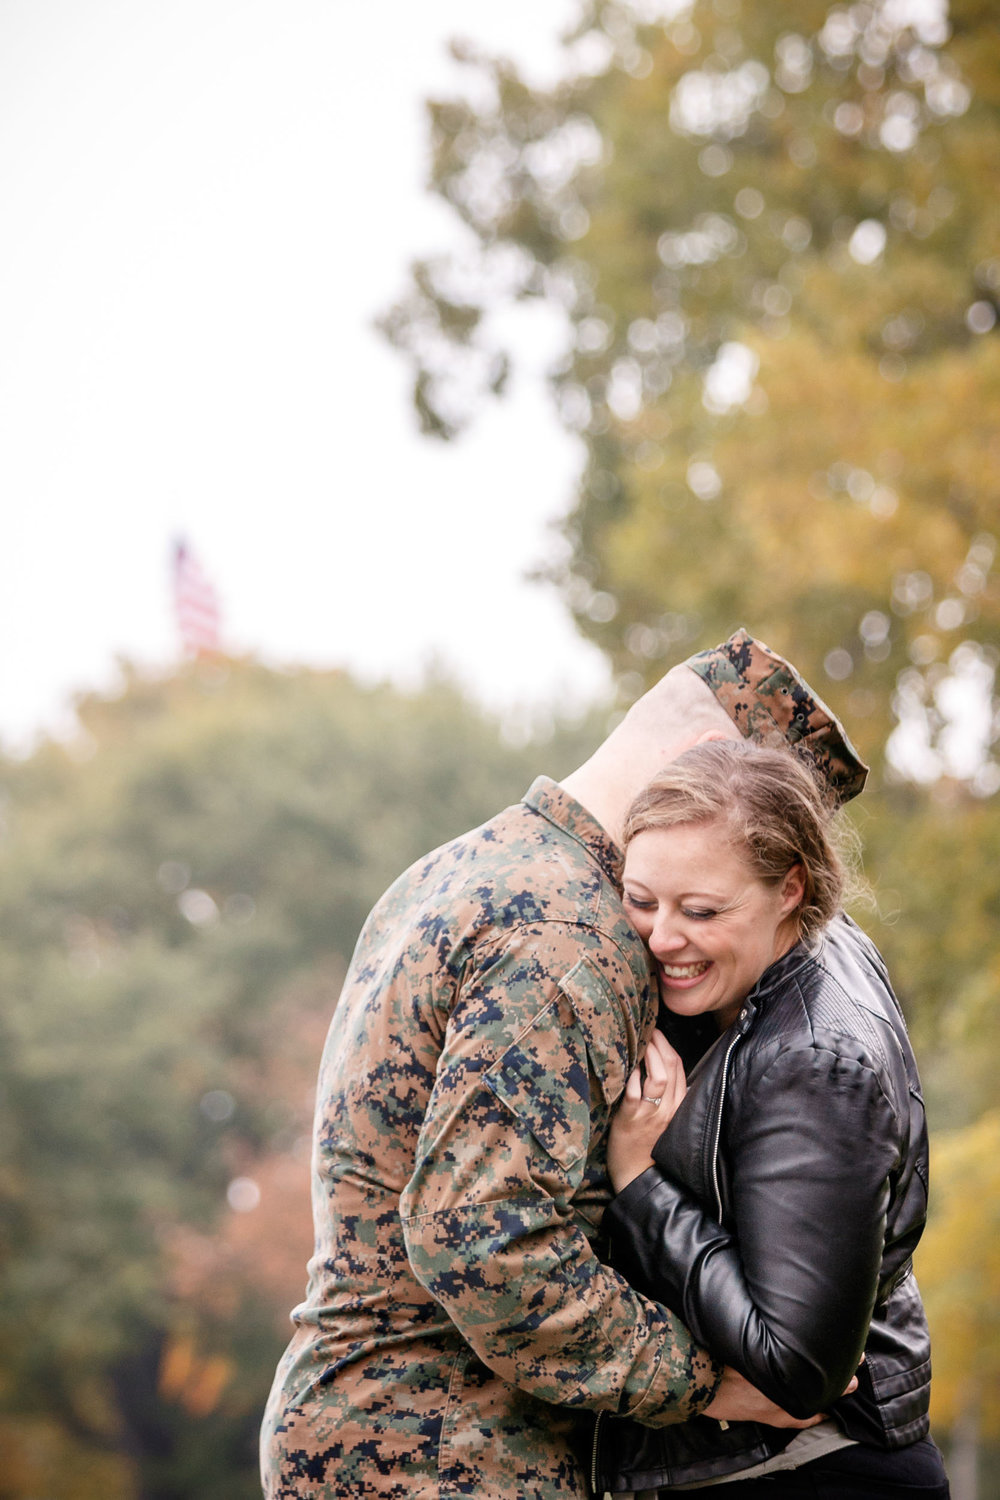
[665,1084]
[664,1052]
[656,1073]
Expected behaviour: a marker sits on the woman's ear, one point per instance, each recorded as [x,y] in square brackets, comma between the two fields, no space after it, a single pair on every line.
[793,890]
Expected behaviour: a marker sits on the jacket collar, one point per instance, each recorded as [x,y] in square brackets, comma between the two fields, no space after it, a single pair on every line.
[776,977]
[556,805]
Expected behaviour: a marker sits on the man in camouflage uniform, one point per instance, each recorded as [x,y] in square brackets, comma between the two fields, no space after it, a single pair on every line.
[459,1323]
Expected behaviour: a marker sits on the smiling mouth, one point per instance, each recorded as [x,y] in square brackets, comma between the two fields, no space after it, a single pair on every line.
[685,971]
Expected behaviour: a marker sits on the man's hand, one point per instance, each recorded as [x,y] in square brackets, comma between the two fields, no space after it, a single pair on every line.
[645,1111]
[737,1400]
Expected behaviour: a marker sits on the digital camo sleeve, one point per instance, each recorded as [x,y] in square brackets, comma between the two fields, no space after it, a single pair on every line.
[488,1213]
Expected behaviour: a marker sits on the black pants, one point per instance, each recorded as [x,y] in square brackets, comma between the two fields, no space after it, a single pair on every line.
[913,1473]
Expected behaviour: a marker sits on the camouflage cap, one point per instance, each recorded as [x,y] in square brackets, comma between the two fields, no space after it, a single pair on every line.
[769,702]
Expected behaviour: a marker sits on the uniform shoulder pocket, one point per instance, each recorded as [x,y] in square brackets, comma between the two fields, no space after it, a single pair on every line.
[600,1014]
[543,1079]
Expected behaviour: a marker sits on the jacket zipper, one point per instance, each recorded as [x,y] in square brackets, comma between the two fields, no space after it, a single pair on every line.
[593,1456]
[718,1201]
[718,1126]
[715,1143]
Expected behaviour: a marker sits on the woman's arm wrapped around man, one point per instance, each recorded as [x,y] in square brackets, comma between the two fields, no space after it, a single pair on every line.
[784,1290]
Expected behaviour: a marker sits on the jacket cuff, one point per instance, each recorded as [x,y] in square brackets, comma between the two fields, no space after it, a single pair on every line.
[622,1206]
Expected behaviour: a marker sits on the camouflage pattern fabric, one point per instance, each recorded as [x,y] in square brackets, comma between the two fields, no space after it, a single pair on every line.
[769,702]
[495,1005]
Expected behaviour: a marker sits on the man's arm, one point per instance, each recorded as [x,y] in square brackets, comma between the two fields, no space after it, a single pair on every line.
[488,1213]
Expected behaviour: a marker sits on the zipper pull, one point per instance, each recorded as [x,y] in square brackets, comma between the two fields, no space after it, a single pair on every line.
[744,1020]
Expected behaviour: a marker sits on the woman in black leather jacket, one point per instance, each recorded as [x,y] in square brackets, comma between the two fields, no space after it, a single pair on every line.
[787,1196]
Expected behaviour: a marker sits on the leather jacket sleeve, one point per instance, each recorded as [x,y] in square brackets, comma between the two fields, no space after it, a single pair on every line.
[784,1289]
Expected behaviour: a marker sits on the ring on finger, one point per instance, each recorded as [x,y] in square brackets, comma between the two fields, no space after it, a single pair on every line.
[652,1101]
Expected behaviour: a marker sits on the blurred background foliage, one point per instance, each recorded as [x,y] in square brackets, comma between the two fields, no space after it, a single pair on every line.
[180,890]
[771,239]
[776,257]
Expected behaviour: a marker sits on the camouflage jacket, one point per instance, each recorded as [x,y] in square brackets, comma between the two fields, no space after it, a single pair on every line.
[458,1322]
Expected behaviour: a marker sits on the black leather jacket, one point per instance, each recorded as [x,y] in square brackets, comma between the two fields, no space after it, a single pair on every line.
[781,1227]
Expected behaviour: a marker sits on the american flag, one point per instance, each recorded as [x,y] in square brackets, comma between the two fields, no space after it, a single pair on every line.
[196,604]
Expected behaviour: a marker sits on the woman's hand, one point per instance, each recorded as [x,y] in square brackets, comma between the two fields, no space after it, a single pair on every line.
[646,1109]
[736,1400]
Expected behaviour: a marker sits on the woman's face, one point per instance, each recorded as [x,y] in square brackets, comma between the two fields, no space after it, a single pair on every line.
[712,925]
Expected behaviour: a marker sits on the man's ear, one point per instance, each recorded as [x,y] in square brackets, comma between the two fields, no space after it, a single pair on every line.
[717,734]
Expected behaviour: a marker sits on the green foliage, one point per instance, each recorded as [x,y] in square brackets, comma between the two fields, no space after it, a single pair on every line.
[936,867]
[777,264]
[180,891]
[960,1263]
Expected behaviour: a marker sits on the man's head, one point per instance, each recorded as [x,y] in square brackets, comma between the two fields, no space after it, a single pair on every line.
[737,689]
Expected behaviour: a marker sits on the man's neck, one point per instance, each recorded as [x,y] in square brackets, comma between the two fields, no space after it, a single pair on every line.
[607,784]
[602,807]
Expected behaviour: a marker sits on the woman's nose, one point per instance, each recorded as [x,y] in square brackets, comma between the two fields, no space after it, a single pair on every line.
[665,938]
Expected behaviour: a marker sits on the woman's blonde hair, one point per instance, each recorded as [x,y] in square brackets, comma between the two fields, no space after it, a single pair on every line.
[772,807]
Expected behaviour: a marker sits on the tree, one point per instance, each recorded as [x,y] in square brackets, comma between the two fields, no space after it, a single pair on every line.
[777,266]
[960,1266]
[180,892]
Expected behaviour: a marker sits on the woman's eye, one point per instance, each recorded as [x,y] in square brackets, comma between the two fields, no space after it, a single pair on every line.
[639,905]
[699,913]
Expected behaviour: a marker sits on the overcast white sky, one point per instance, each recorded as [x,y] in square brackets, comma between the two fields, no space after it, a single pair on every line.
[206,205]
